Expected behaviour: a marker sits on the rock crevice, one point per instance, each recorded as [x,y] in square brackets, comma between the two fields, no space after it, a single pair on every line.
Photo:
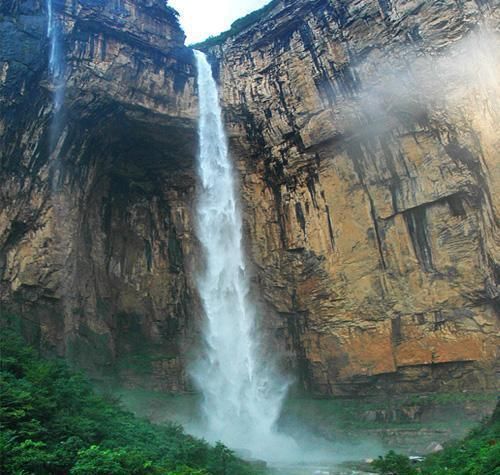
[366,137]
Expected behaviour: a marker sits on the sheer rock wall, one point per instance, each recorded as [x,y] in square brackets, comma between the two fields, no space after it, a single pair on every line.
[95,227]
[367,137]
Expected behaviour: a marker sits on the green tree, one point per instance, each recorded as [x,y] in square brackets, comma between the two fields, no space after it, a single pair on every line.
[51,422]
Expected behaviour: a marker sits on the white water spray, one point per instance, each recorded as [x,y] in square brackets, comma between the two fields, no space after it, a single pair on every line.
[242,393]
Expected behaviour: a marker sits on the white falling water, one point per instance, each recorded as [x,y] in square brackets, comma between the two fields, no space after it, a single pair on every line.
[242,393]
[58,85]
[56,66]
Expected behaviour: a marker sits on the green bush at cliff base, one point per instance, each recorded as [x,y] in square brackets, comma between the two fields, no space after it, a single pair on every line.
[51,422]
[477,454]
[394,464]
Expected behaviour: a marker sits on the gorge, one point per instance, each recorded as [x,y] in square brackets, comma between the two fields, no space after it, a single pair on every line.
[365,137]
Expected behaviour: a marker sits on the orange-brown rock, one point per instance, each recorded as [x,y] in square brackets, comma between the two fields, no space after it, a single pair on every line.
[366,135]
[95,223]
[367,138]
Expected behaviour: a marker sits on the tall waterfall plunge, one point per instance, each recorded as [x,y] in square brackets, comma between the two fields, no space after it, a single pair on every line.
[242,393]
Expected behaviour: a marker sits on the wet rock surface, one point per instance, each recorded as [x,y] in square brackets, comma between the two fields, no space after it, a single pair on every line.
[366,134]
[367,138]
[95,223]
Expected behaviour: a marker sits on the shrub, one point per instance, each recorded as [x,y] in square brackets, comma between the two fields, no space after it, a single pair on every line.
[51,421]
[394,464]
[477,454]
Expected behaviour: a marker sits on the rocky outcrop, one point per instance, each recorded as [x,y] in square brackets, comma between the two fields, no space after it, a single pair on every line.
[367,137]
[95,228]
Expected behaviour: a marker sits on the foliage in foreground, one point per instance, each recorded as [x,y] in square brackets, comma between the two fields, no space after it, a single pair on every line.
[477,454]
[51,422]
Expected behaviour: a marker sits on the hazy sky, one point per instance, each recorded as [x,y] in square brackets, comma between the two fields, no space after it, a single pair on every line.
[203,18]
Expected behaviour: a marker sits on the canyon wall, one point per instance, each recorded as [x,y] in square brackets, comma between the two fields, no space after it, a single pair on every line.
[367,138]
[95,199]
[366,135]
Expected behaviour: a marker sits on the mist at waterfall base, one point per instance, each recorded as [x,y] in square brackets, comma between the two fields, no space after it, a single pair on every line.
[242,393]
[230,374]
[242,390]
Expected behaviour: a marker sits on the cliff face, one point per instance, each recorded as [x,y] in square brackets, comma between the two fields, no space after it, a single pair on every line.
[366,133]
[367,137]
[95,230]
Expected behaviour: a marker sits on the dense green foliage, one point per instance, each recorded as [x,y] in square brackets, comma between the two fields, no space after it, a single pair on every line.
[394,464]
[477,454]
[238,26]
[51,422]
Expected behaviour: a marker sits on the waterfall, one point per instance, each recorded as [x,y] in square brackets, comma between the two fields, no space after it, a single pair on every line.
[242,393]
[58,86]
[56,65]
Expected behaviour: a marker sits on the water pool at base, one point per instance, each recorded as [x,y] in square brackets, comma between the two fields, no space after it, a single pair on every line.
[315,469]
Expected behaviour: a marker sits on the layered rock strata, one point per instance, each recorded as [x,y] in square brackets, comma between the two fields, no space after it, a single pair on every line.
[95,216]
[367,138]
[366,135]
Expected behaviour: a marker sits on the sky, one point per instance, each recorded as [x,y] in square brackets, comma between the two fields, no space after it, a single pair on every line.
[203,18]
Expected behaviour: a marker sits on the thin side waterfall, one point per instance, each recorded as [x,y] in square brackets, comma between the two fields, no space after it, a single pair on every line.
[58,85]
[56,66]
[242,393]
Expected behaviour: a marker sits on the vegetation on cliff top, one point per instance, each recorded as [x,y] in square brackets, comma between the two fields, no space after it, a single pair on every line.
[238,26]
[51,422]
[477,454]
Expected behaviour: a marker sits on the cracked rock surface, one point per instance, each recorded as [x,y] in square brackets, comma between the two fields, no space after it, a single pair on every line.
[366,136]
